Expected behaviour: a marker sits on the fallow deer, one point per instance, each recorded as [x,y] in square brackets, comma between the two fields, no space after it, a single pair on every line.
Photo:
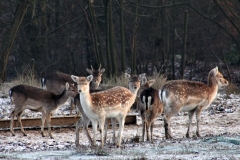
[111,103]
[55,81]
[39,100]
[134,82]
[189,96]
[149,107]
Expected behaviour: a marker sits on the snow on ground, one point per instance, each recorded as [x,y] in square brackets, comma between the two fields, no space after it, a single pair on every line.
[219,127]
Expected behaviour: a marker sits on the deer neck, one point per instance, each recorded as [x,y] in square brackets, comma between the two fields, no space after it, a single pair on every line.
[213,89]
[85,99]
[135,92]
[62,98]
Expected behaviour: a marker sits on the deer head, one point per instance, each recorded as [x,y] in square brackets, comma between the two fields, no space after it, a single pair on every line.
[97,76]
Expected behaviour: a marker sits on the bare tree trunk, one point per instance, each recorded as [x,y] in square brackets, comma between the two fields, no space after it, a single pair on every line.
[10,35]
[184,44]
[112,41]
[173,42]
[44,41]
[109,64]
[123,60]
[134,45]
[94,33]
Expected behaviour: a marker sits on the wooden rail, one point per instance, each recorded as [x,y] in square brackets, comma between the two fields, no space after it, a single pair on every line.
[66,121]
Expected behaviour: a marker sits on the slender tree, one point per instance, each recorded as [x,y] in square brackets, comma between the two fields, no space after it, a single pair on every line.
[134,43]
[123,60]
[9,36]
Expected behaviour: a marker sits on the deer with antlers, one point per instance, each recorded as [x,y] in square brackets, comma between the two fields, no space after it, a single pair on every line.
[189,96]
[39,100]
[111,103]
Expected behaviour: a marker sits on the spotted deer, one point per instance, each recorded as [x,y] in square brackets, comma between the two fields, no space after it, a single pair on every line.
[83,122]
[134,82]
[38,100]
[55,81]
[110,103]
[150,107]
[189,96]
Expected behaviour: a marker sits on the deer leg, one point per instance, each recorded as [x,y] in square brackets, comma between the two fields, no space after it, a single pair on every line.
[83,121]
[19,116]
[11,124]
[114,129]
[148,128]
[168,133]
[43,121]
[198,113]
[101,127]
[121,127]
[13,114]
[85,127]
[72,105]
[143,129]
[106,128]
[94,126]
[152,125]
[78,126]
[190,115]
[48,118]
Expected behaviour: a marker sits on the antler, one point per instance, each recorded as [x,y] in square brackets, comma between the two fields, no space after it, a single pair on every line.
[99,67]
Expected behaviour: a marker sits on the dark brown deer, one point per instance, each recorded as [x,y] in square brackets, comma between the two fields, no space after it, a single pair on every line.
[149,107]
[55,81]
[39,100]
[189,96]
[111,103]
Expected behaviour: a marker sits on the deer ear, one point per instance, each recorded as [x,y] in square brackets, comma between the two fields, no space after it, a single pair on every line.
[89,71]
[143,80]
[67,86]
[89,78]
[127,76]
[143,75]
[215,71]
[74,78]
[102,70]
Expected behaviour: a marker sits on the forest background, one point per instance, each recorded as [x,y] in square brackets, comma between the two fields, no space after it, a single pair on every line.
[177,38]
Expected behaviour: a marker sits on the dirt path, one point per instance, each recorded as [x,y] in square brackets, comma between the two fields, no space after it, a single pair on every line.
[219,127]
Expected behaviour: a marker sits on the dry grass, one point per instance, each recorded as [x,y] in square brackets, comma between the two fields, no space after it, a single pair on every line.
[160,80]
[112,82]
[27,77]
[231,89]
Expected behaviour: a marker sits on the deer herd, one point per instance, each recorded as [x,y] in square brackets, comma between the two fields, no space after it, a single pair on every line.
[102,106]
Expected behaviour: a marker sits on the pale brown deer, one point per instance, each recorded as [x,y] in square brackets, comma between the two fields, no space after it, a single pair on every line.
[134,82]
[55,81]
[150,107]
[111,103]
[39,100]
[189,96]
